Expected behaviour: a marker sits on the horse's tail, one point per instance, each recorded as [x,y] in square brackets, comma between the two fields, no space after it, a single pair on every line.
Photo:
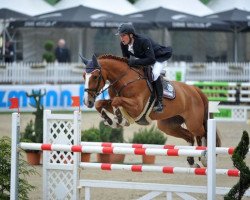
[205,118]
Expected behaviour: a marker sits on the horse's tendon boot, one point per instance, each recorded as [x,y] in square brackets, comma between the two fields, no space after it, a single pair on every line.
[106,117]
[118,114]
[120,118]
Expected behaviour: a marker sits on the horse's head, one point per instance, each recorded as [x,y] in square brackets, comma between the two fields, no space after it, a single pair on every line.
[94,81]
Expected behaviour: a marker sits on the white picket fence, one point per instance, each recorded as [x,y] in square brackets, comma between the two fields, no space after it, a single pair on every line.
[236,72]
[56,73]
[40,73]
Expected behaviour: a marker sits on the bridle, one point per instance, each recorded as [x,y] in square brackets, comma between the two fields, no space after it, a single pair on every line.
[94,91]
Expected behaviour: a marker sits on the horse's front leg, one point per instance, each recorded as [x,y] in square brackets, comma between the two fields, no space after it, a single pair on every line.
[105,109]
[133,107]
[103,104]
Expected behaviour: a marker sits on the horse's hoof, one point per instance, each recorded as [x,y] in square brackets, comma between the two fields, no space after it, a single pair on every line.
[190,161]
[122,122]
[196,165]
[126,123]
[106,123]
[106,118]
[203,159]
[115,125]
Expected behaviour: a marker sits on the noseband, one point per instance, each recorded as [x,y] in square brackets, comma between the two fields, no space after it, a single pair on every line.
[95,90]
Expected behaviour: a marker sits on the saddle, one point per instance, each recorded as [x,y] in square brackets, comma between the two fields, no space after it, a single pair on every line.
[168,88]
[168,92]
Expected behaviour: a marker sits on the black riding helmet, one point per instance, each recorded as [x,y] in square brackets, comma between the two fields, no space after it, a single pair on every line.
[126,28]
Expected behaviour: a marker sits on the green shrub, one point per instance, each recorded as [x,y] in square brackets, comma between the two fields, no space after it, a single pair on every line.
[49,45]
[149,136]
[52,2]
[5,168]
[49,55]
[91,135]
[35,130]
[109,134]
[103,134]
[29,133]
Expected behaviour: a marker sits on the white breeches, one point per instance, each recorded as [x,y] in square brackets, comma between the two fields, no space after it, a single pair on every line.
[156,69]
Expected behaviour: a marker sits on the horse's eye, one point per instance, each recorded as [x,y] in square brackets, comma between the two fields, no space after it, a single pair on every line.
[95,77]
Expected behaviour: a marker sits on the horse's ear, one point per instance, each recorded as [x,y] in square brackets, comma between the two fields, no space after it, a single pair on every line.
[84,60]
[95,62]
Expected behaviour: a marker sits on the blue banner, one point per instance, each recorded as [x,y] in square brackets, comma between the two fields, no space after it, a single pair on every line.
[58,97]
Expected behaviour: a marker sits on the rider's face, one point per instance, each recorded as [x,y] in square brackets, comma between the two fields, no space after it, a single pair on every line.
[125,39]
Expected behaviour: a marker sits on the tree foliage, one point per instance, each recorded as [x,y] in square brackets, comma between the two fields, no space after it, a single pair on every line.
[238,190]
[132,1]
[205,1]
[38,126]
[149,136]
[5,168]
[52,2]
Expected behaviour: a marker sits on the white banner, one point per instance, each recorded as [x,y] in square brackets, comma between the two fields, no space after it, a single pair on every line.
[58,97]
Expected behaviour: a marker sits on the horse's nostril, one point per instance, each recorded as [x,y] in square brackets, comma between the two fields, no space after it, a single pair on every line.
[90,104]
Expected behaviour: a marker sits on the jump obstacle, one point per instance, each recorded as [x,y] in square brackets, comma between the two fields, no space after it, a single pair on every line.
[62,145]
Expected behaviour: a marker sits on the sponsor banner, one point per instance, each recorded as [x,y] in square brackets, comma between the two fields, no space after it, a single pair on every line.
[58,97]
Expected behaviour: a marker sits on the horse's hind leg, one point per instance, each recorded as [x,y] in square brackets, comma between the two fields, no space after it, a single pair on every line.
[196,127]
[201,141]
[173,127]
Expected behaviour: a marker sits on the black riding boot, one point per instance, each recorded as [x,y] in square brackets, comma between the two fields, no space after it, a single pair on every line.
[159,93]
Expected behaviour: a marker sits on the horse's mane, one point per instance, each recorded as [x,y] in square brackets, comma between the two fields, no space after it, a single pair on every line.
[109,56]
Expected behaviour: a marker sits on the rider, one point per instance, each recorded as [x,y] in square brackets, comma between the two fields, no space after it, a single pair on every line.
[143,51]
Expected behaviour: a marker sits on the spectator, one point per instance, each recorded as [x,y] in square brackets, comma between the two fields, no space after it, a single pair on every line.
[9,52]
[62,53]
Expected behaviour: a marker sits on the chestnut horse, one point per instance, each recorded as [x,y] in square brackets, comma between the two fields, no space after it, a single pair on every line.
[129,94]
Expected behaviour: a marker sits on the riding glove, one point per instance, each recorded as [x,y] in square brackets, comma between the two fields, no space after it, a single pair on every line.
[132,62]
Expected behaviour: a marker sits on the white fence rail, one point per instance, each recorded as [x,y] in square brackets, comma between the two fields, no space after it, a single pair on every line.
[238,72]
[36,73]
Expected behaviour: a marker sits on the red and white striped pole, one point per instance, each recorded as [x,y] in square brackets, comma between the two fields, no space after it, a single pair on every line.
[162,169]
[111,150]
[135,149]
[219,150]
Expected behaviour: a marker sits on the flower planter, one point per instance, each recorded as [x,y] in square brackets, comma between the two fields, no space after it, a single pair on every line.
[85,157]
[117,158]
[110,158]
[148,159]
[33,158]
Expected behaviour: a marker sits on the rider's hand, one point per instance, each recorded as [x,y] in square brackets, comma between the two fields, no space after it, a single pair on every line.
[132,62]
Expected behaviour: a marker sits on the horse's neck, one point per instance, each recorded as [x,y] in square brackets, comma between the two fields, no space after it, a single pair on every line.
[113,69]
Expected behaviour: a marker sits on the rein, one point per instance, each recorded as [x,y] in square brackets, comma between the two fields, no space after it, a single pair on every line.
[140,77]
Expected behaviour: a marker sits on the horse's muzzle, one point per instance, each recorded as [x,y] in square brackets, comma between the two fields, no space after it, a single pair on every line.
[91,104]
